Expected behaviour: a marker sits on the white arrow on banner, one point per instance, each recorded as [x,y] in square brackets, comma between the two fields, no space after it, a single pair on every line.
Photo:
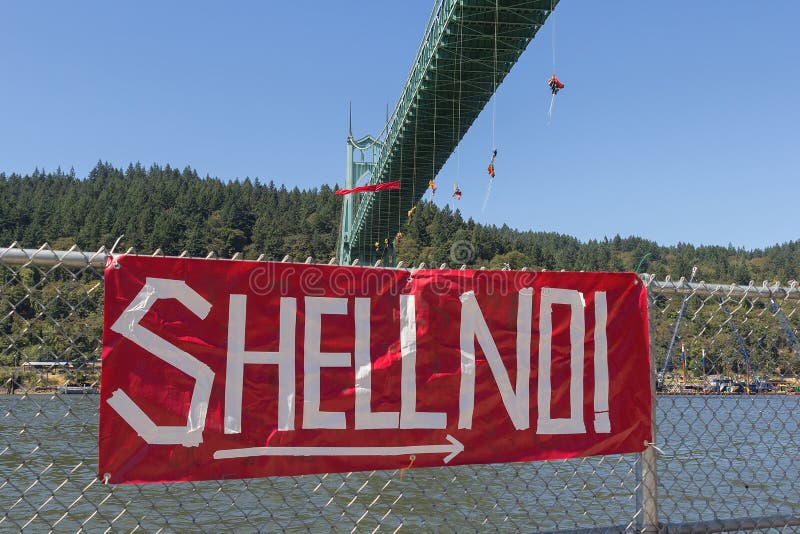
[453,449]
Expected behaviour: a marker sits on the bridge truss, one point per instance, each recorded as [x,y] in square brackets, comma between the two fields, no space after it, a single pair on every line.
[468,48]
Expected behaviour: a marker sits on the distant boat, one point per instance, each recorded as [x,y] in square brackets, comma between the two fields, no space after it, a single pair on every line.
[77,390]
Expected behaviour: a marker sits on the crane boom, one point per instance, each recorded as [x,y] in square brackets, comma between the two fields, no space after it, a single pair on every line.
[787,328]
[671,347]
[735,331]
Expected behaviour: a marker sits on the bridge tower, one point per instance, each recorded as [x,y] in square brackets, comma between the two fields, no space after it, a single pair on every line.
[362,157]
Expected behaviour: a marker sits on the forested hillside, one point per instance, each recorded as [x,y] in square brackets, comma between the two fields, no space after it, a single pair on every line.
[178,210]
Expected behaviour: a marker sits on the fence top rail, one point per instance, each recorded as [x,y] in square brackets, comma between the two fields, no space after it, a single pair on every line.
[704,289]
[44,256]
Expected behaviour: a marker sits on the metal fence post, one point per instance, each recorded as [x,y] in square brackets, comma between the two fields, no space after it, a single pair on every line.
[649,497]
[649,489]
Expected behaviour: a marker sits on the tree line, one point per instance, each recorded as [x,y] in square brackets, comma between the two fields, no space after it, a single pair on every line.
[175,210]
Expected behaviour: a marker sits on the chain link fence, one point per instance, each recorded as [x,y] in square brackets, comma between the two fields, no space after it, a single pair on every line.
[726,457]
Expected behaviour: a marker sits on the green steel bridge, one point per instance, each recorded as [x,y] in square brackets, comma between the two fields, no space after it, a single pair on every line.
[468,48]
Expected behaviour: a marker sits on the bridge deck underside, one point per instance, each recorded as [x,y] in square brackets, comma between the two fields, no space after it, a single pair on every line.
[468,50]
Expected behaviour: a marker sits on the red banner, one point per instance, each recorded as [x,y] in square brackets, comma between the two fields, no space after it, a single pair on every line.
[385,186]
[217,369]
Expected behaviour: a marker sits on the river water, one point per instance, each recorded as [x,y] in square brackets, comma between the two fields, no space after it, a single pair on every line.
[721,457]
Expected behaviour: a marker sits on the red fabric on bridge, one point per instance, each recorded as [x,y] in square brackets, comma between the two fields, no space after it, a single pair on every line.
[386,186]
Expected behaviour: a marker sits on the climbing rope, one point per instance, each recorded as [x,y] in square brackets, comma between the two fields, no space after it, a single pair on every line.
[399,198]
[553,82]
[494,72]
[460,86]
[432,184]
[494,108]
[553,28]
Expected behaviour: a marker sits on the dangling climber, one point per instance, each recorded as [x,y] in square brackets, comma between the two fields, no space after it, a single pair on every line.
[456,192]
[555,84]
[491,163]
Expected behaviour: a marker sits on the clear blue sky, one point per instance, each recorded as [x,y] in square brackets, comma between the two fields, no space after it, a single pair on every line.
[679,122]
